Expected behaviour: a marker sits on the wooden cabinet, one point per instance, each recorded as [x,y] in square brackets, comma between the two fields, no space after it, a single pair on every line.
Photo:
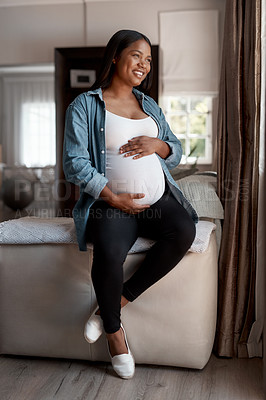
[67,60]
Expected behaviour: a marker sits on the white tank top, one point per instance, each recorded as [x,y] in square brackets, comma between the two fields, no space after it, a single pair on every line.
[125,175]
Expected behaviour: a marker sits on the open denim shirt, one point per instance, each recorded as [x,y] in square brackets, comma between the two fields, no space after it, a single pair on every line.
[84,153]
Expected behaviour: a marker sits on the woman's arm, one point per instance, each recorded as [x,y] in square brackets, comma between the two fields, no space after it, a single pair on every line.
[163,149]
[175,155]
[77,164]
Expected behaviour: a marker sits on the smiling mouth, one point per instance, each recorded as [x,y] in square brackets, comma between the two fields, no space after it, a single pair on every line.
[139,74]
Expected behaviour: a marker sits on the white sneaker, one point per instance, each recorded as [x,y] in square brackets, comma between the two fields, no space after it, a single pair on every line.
[93,327]
[123,364]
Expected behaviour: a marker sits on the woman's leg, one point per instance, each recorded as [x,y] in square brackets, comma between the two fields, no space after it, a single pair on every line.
[112,233]
[174,231]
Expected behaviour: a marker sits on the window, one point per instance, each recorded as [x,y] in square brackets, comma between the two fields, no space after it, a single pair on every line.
[190,70]
[190,119]
[38,134]
[28,106]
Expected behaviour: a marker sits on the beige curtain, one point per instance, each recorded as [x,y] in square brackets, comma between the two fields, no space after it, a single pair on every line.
[237,159]
[189,44]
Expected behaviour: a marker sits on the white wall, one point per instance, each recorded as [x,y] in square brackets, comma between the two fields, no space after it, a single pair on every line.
[29,34]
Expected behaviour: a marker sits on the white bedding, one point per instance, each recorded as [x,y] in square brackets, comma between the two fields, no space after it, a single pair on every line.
[34,230]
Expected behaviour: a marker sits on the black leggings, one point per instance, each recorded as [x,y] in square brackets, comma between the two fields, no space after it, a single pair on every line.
[113,232]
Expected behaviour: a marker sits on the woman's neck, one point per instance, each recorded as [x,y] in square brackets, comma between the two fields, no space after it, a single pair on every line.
[118,90]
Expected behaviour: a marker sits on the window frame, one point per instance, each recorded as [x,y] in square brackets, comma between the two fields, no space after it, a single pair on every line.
[165,102]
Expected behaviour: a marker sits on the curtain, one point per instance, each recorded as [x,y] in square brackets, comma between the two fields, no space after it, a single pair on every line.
[254,344]
[28,126]
[238,174]
[189,44]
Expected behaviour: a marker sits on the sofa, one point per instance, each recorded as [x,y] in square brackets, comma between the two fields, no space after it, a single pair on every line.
[46,296]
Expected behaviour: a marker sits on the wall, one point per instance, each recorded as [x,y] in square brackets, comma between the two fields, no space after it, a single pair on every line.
[29,34]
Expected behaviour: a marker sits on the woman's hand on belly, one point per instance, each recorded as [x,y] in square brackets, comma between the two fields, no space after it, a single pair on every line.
[124,201]
[141,146]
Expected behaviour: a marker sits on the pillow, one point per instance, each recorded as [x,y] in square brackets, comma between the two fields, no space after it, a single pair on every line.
[199,245]
[179,173]
[200,191]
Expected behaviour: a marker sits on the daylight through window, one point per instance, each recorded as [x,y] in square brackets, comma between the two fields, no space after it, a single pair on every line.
[38,134]
[190,119]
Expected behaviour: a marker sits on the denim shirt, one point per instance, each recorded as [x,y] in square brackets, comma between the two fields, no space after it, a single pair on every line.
[84,153]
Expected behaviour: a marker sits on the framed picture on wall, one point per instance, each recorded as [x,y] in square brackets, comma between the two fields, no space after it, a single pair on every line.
[82,78]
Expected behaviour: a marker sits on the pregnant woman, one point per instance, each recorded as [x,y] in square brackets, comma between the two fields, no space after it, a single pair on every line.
[119,148]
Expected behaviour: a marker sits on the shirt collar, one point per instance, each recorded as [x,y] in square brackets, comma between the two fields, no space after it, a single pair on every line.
[98,92]
[139,95]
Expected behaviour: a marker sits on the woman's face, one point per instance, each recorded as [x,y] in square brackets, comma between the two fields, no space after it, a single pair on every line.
[134,63]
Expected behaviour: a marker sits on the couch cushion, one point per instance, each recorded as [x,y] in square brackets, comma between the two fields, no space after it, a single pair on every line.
[200,191]
[35,230]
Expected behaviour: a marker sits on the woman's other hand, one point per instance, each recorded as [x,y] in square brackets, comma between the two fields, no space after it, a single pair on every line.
[124,201]
[142,146]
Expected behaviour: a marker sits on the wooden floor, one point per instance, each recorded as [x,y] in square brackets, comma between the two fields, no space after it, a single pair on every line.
[24,378]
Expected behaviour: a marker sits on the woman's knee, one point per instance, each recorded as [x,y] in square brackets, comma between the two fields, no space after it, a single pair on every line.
[110,254]
[189,233]
[107,267]
[185,233]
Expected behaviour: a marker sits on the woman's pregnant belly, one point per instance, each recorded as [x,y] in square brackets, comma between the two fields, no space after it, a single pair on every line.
[143,175]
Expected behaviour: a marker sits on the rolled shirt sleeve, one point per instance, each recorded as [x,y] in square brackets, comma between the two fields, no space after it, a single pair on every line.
[77,164]
[173,142]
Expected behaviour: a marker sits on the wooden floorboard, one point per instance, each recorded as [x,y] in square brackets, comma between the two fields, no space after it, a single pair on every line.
[24,378]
